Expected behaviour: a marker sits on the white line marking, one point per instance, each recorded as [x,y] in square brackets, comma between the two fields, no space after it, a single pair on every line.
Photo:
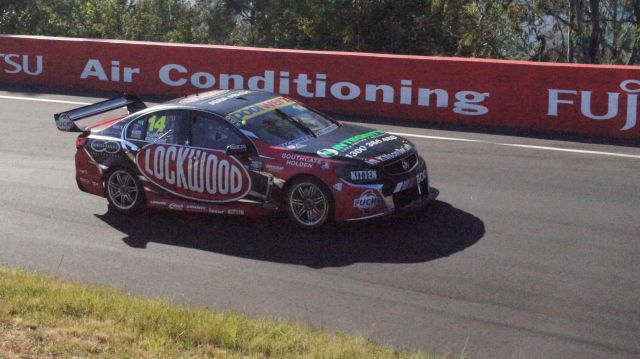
[614,154]
[545,148]
[437,137]
[43,100]
[440,138]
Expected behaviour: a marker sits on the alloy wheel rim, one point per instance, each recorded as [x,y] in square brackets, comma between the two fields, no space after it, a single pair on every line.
[308,204]
[123,190]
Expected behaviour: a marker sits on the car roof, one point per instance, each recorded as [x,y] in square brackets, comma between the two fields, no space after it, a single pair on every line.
[223,102]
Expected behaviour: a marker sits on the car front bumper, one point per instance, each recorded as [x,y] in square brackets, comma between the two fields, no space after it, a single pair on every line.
[399,193]
[417,204]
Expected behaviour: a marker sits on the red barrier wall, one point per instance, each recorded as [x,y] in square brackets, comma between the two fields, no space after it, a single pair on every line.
[599,101]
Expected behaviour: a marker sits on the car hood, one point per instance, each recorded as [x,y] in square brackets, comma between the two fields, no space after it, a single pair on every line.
[351,142]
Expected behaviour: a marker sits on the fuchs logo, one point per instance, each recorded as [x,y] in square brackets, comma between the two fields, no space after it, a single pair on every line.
[64,123]
[198,174]
[367,202]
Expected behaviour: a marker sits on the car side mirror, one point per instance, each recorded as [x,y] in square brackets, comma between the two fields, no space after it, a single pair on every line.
[235,150]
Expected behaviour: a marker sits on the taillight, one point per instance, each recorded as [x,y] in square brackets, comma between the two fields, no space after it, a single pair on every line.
[81,141]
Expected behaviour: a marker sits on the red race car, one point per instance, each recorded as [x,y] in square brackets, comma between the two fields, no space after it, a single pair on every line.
[244,153]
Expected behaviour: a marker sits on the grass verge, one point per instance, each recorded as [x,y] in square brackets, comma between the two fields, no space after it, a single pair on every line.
[45,317]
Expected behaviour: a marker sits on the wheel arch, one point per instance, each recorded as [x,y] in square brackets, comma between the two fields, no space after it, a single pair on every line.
[140,201]
[326,189]
[119,162]
[299,176]
[114,163]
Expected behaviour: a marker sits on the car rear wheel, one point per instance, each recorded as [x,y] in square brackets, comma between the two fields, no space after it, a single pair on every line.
[124,191]
[308,203]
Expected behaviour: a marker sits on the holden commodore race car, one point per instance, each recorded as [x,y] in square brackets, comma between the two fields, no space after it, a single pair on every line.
[245,153]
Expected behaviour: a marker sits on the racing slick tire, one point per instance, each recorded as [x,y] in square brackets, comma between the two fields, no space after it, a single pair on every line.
[124,191]
[308,203]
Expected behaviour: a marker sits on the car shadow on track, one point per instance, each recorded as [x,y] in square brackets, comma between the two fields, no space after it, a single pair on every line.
[434,232]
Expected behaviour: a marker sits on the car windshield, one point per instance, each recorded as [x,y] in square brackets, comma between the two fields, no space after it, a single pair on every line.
[315,122]
[289,125]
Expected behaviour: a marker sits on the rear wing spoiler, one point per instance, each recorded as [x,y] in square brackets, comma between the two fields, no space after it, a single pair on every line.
[65,121]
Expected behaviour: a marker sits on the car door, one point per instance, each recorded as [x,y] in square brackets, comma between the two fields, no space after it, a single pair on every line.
[213,133]
[169,160]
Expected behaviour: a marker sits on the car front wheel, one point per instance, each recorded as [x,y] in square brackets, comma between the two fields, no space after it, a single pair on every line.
[308,203]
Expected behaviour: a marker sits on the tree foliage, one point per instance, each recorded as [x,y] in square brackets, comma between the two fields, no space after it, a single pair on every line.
[588,31]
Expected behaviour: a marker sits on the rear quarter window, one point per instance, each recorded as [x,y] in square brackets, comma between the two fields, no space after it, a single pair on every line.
[158,127]
[136,130]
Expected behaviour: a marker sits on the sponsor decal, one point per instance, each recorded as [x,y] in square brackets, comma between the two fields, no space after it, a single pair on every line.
[18,63]
[325,166]
[327,153]
[350,142]
[64,123]
[95,184]
[631,89]
[320,85]
[105,146]
[363,175]
[216,211]
[193,207]
[394,154]
[83,172]
[84,180]
[378,141]
[236,212]
[301,161]
[158,203]
[176,206]
[357,151]
[338,186]
[197,174]
[273,168]
[118,73]
[367,202]
[344,144]
[249,112]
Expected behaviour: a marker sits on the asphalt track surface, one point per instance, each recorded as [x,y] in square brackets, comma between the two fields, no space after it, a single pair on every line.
[532,250]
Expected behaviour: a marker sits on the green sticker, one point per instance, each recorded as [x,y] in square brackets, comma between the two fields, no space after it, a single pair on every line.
[355,139]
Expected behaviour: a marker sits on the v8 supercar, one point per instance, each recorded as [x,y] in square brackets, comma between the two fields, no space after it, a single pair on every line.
[244,153]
